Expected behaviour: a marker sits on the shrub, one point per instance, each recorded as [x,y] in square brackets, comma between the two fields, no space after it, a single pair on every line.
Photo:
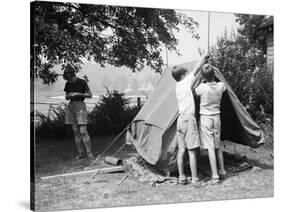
[52,125]
[261,106]
[111,114]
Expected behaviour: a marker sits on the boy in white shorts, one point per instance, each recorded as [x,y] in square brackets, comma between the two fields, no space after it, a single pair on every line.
[187,129]
[210,94]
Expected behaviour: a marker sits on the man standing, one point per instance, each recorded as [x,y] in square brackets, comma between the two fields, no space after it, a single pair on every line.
[77,90]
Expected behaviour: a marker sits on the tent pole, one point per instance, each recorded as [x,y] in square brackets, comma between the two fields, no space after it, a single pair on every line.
[167,56]
[208,31]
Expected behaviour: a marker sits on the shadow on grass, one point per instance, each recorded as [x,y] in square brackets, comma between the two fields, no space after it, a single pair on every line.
[56,157]
[233,165]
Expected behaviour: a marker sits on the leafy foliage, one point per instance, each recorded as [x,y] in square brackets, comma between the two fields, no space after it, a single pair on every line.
[112,114]
[250,28]
[52,125]
[244,67]
[120,36]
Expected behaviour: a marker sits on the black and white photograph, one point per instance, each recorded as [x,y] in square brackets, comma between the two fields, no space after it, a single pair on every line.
[133,106]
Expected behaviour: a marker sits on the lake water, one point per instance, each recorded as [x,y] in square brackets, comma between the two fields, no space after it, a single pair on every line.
[42,103]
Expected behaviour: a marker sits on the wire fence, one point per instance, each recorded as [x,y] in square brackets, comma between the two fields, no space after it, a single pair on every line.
[90,106]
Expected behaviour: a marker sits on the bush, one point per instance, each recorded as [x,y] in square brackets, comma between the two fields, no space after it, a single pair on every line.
[261,106]
[112,114]
[52,125]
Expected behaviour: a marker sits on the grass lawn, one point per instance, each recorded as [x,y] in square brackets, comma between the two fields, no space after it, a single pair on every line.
[77,192]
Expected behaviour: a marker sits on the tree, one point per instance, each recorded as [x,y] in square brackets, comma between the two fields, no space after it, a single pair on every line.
[243,65]
[250,28]
[120,36]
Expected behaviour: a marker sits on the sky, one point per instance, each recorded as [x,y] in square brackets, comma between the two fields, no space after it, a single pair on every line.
[188,46]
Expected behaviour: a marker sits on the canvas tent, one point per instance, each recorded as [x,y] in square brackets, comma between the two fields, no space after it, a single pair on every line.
[153,132]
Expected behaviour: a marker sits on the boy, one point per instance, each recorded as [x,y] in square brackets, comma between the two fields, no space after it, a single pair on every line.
[77,90]
[187,131]
[210,94]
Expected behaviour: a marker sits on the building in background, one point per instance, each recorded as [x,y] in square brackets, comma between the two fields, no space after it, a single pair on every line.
[268,28]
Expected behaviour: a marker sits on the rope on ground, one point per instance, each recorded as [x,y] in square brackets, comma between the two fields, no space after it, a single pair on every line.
[129,172]
[148,168]
[160,179]
[151,172]
[138,163]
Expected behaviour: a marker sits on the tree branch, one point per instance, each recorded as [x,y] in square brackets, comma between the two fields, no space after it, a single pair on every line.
[95,18]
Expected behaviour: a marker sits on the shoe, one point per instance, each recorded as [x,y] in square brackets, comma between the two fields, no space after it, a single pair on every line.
[183,180]
[214,181]
[91,156]
[222,174]
[79,157]
[197,183]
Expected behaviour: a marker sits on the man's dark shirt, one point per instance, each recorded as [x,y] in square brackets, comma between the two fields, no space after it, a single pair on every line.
[79,85]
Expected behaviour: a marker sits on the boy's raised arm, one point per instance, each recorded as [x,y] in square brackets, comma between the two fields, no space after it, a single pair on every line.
[199,64]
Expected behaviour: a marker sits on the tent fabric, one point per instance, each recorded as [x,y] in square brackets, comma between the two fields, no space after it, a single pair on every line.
[154,133]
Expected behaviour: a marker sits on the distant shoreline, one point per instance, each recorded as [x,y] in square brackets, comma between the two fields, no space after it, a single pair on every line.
[43,103]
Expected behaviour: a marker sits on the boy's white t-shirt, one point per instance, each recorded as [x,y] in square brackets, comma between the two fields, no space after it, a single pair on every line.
[184,95]
[210,97]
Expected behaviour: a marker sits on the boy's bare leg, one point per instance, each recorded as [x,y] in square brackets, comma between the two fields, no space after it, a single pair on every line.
[78,140]
[180,161]
[219,154]
[86,140]
[192,153]
[213,162]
